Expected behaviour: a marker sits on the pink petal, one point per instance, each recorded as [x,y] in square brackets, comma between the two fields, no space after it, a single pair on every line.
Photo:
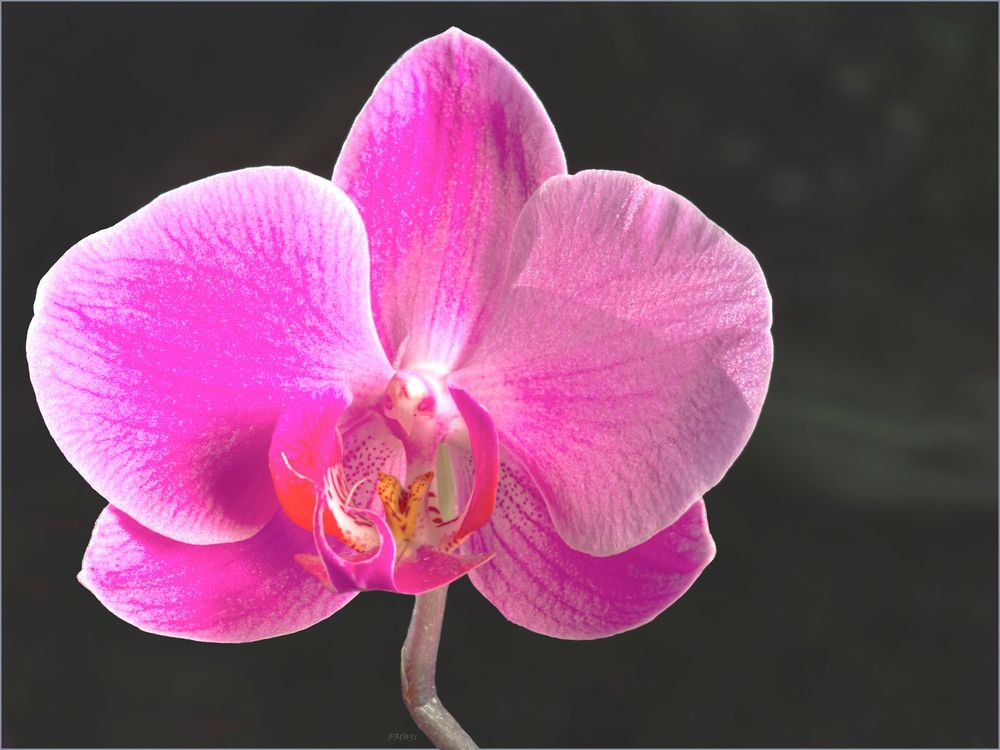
[431,569]
[306,454]
[345,571]
[227,593]
[306,439]
[629,361]
[164,348]
[352,571]
[440,162]
[306,443]
[540,583]
[486,458]
[370,448]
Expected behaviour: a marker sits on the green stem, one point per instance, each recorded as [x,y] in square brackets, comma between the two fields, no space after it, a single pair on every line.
[419,663]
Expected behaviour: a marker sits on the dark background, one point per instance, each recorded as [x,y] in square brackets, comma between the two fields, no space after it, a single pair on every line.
[852,147]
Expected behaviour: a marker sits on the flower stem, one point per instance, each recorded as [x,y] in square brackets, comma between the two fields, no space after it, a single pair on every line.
[419,662]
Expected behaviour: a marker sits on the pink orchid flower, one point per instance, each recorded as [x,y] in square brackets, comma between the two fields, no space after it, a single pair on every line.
[453,358]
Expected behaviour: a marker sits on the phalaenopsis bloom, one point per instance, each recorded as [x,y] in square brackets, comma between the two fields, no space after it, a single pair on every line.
[451,359]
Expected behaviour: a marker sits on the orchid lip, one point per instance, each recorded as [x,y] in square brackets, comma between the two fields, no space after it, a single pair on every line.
[361,543]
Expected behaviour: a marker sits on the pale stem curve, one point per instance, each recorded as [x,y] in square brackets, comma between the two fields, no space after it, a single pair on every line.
[419,663]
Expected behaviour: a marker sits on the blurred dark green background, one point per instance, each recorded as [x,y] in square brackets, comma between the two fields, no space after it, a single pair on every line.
[852,147]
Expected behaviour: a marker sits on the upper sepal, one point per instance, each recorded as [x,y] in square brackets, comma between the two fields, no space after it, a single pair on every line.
[440,162]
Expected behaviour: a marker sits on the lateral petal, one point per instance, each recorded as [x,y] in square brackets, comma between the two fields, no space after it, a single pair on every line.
[485,451]
[628,361]
[164,348]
